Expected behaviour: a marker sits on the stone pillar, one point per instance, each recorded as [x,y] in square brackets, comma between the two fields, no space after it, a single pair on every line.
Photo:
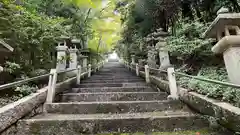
[232,63]
[61,57]
[164,58]
[73,55]
[133,59]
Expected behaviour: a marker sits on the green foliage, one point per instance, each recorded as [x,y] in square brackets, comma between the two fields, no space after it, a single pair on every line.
[32,35]
[187,41]
[221,92]
[25,90]
[188,50]
[11,67]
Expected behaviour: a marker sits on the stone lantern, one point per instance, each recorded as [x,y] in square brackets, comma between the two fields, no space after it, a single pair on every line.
[226,29]
[157,46]
[161,47]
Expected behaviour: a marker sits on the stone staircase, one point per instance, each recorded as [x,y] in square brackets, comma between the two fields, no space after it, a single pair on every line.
[113,101]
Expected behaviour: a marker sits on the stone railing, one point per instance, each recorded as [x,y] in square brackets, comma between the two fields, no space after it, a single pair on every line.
[224,113]
[33,104]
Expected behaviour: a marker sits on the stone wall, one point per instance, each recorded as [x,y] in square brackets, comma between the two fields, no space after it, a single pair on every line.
[27,107]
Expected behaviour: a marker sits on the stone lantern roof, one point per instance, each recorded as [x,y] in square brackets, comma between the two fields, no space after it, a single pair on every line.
[223,19]
[76,41]
[5,47]
[63,37]
[157,35]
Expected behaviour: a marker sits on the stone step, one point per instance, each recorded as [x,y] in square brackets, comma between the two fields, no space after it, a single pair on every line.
[88,85]
[118,71]
[62,124]
[113,96]
[112,107]
[114,77]
[112,89]
[111,81]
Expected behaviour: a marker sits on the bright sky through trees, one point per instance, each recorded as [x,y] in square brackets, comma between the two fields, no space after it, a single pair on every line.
[106,23]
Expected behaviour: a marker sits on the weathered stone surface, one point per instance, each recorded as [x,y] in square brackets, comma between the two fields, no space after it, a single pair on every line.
[86,85]
[226,114]
[232,63]
[112,107]
[113,81]
[12,130]
[113,96]
[102,123]
[27,106]
[113,77]
[111,89]
[13,112]
[163,85]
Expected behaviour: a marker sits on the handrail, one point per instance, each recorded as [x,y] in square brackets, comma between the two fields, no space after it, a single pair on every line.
[198,78]
[208,80]
[10,85]
[65,71]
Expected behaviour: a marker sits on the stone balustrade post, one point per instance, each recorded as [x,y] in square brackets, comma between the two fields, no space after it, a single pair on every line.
[133,59]
[89,70]
[51,86]
[174,94]
[137,69]
[79,72]
[147,74]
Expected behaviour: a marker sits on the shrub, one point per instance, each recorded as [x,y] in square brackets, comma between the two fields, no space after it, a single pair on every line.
[221,92]
[25,90]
